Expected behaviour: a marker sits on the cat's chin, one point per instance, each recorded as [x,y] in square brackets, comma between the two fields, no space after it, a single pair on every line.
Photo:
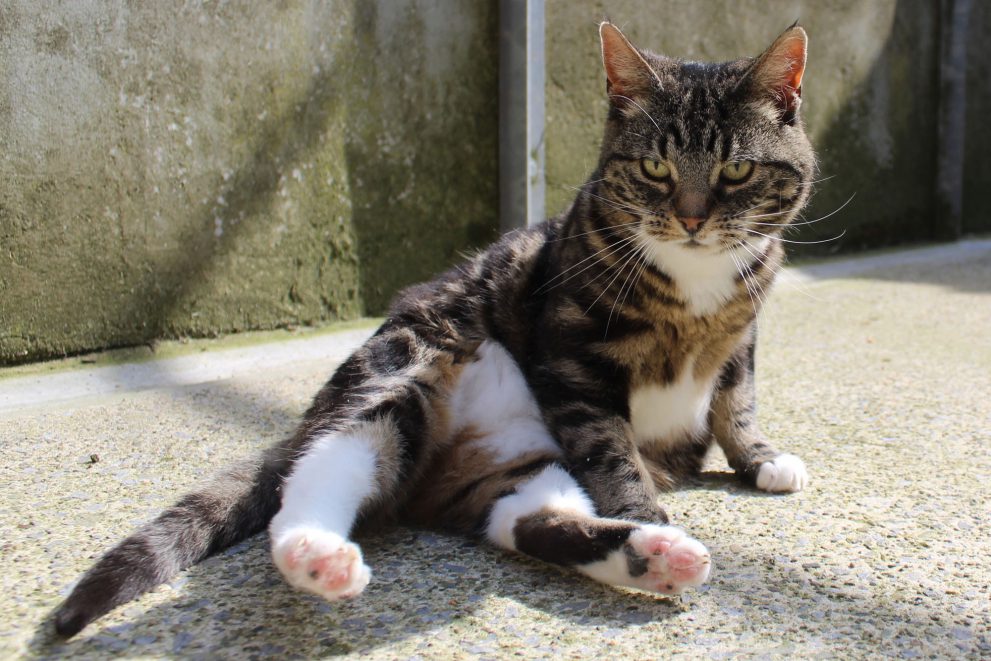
[692,244]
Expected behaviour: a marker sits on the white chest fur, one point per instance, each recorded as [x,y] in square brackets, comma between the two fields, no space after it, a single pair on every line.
[666,413]
[706,279]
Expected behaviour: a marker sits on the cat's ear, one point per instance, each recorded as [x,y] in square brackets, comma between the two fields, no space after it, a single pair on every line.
[628,76]
[777,74]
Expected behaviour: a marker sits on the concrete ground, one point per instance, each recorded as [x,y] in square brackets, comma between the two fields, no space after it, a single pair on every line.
[876,371]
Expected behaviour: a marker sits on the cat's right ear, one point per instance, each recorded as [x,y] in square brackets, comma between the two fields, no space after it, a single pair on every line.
[628,76]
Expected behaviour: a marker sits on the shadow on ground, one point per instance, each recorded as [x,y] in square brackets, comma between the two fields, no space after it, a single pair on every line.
[422,582]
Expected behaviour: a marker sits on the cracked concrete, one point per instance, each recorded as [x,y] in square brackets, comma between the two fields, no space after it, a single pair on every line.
[876,372]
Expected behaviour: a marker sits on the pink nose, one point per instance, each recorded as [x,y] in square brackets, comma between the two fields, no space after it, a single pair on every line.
[692,224]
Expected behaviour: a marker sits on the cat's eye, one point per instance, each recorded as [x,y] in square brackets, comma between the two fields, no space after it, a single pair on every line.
[654,169]
[737,171]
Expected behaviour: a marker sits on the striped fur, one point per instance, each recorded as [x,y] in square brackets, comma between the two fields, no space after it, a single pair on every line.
[544,392]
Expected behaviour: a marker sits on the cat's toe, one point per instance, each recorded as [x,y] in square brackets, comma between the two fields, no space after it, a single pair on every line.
[321,562]
[785,473]
[670,560]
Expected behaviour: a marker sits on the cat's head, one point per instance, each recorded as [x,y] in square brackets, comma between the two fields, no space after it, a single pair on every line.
[705,156]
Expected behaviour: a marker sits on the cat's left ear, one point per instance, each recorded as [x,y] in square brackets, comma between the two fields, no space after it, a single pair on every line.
[628,76]
[777,74]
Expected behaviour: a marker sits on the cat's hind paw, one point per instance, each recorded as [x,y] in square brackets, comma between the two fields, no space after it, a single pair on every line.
[321,562]
[785,473]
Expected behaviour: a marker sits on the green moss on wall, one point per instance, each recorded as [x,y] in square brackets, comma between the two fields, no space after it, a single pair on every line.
[209,169]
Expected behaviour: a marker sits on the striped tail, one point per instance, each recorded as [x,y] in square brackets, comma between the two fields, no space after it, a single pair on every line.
[235,505]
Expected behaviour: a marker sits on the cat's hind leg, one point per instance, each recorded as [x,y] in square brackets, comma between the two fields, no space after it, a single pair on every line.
[365,437]
[550,517]
[321,499]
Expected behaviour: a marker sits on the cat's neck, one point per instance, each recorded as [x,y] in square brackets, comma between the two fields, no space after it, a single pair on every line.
[706,279]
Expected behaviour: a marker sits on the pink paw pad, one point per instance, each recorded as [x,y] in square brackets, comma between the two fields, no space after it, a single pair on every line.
[675,561]
[321,562]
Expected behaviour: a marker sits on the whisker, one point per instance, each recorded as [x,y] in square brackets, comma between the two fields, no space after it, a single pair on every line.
[618,245]
[746,283]
[761,215]
[614,203]
[640,252]
[598,229]
[759,204]
[753,274]
[786,277]
[804,243]
[620,96]
[594,181]
[808,183]
[619,272]
[828,215]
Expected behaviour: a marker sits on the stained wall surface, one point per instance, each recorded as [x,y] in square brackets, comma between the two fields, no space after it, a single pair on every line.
[178,169]
[196,168]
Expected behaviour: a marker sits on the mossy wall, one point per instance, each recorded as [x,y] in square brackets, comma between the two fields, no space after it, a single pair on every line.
[870,99]
[172,169]
[175,169]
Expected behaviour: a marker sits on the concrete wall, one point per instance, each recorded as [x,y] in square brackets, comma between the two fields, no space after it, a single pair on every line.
[870,100]
[194,168]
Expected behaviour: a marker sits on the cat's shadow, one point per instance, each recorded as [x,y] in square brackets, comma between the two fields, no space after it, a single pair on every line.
[423,582]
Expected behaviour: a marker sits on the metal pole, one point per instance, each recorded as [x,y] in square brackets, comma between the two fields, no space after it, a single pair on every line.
[952,117]
[521,113]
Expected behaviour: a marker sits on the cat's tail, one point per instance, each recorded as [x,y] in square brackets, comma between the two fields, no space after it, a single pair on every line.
[233,506]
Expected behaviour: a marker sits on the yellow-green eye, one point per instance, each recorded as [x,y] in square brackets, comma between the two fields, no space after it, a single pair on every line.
[654,169]
[736,171]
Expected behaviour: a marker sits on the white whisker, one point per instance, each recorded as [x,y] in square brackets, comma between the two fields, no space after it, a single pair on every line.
[641,251]
[620,96]
[804,243]
[619,272]
[617,205]
[610,228]
[618,245]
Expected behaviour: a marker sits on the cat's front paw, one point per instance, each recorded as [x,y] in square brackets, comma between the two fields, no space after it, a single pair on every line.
[664,559]
[784,474]
[321,562]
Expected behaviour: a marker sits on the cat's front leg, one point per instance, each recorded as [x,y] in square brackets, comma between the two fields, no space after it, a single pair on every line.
[602,456]
[598,512]
[733,421]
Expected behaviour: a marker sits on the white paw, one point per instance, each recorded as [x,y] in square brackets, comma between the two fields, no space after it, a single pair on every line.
[656,558]
[784,473]
[321,562]
[674,561]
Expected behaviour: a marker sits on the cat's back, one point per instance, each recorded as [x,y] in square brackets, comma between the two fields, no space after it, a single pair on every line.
[490,295]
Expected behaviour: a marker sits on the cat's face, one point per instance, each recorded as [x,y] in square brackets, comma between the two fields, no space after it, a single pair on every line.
[705,156]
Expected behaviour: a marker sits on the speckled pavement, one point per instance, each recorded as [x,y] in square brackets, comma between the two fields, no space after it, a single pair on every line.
[877,372]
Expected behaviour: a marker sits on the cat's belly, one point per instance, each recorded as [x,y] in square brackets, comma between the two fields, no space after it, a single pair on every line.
[492,403]
[668,413]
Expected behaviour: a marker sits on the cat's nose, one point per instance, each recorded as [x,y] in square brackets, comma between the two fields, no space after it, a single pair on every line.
[692,224]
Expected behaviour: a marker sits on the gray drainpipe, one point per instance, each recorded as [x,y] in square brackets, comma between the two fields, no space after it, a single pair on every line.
[521,113]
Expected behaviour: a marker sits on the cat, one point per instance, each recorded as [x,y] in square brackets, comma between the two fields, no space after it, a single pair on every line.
[543,393]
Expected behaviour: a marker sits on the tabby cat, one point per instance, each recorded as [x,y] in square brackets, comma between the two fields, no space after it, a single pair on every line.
[542,394]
